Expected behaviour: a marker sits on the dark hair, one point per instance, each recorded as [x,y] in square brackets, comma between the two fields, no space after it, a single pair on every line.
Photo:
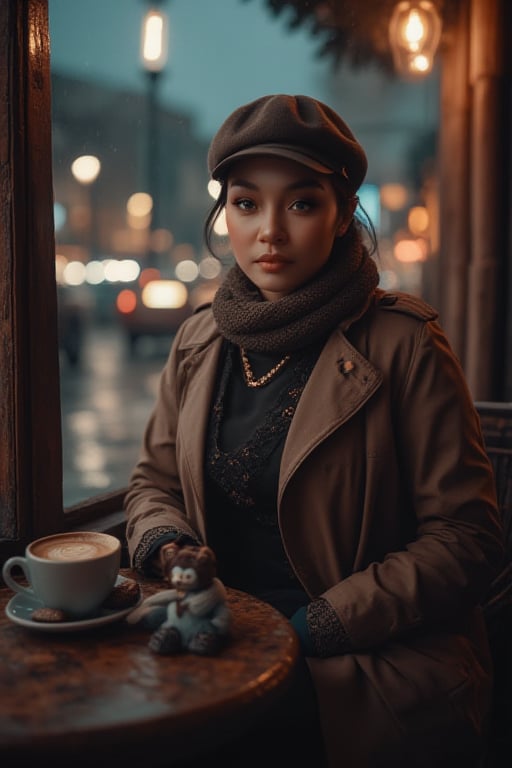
[212,217]
[361,219]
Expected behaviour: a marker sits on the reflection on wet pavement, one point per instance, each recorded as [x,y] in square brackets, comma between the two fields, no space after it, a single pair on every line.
[105,403]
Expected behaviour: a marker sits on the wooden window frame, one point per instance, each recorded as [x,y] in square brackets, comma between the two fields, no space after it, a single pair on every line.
[31,501]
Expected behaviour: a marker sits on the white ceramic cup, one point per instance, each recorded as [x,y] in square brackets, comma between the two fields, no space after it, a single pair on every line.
[71,571]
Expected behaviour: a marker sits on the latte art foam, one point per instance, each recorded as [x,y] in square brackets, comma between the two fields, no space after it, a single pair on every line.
[71,549]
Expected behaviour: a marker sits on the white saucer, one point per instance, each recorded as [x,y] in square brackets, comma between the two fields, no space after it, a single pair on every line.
[20,607]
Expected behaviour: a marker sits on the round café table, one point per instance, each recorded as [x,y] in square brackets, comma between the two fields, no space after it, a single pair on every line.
[102,697]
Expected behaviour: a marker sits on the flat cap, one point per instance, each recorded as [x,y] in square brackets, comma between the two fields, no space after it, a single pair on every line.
[299,128]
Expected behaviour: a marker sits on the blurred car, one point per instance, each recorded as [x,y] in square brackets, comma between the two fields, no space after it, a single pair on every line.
[72,318]
[155,309]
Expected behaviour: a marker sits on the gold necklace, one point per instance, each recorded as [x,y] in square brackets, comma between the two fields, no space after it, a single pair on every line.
[249,376]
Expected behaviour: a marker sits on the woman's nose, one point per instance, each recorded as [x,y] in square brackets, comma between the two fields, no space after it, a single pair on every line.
[272,229]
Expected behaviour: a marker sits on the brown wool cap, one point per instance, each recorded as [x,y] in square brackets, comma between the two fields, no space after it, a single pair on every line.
[296,127]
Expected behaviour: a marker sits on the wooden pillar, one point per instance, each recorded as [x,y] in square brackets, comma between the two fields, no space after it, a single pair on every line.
[489,150]
[507,284]
[454,182]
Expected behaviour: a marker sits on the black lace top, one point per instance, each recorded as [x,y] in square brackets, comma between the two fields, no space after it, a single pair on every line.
[246,436]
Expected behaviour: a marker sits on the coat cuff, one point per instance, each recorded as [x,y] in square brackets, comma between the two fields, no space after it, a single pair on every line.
[151,541]
[328,635]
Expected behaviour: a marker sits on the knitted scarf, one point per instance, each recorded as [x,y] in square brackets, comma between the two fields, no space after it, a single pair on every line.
[304,316]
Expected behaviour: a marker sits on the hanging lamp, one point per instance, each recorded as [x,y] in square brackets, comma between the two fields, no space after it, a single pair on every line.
[414,35]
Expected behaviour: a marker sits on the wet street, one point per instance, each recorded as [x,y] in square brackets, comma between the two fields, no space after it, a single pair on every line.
[105,402]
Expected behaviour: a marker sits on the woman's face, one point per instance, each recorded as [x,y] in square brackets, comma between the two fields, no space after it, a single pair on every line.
[282,219]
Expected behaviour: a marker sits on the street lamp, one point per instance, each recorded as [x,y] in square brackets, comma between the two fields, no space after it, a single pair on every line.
[154,40]
[153,54]
[85,170]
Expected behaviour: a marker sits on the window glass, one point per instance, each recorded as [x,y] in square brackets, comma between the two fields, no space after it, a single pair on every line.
[131,194]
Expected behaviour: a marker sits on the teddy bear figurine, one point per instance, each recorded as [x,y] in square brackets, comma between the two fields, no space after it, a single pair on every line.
[192,615]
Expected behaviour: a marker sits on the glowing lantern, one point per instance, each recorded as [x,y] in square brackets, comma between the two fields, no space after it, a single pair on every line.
[414,34]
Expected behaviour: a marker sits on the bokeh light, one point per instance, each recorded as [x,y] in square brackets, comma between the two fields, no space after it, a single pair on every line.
[209,268]
[220,227]
[214,188]
[187,270]
[418,220]
[126,301]
[86,168]
[408,251]
[393,196]
[164,294]
[139,204]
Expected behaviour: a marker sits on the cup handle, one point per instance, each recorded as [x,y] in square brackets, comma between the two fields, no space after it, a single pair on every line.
[10,581]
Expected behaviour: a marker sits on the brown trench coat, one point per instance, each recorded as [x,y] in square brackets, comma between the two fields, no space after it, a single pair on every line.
[387,509]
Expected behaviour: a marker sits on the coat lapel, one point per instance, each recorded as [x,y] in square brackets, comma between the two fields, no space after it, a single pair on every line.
[340,383]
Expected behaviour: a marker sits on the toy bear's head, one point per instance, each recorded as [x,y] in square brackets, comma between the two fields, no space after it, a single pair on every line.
[190,567]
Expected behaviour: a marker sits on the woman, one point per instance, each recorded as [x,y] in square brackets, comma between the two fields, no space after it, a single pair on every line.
[319,435]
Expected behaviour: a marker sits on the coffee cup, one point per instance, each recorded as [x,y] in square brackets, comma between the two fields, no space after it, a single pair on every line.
[73,572]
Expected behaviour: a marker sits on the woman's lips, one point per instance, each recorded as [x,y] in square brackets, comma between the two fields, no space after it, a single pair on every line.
[273,263]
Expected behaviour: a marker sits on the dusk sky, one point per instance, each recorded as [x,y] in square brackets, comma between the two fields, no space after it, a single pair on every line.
[222,53]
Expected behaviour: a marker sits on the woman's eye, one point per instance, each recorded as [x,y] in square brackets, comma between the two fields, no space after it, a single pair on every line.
[244,204]
[302,205]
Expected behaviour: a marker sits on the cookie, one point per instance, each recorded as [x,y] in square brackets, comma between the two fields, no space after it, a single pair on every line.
[123,595]
[49,615]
